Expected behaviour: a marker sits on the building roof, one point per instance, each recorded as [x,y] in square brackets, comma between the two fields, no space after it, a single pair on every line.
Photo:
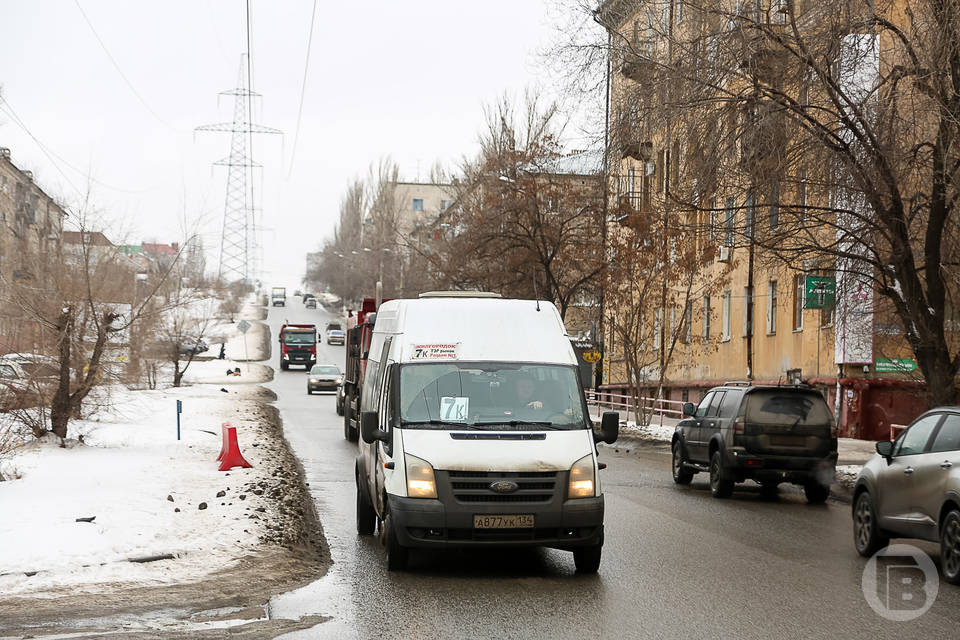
[94,238]
[579,163]
[171,249]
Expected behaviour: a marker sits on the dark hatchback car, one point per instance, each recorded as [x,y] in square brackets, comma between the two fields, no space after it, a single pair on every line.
[770,434]
[911,489]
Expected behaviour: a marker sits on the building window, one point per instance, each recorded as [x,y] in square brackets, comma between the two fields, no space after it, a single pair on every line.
[444,204]
[678,11]
[798,291]
[706,318]
[731,213]
[771,307]
[749,212]
[418,204]
[688,323]
[774,207]
[657,323]
[725,321]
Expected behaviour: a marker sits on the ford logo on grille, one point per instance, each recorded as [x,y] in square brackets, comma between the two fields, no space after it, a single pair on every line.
[504,486]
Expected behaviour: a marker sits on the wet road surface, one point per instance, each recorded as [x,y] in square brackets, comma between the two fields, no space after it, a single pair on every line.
[675,561]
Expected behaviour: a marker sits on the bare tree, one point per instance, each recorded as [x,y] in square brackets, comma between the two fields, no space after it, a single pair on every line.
[82,304]
[828,133]
[526,220]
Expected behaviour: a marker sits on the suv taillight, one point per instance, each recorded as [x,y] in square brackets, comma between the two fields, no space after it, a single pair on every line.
[738,425]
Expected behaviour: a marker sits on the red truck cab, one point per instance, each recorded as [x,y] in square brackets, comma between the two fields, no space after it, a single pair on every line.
[298,345]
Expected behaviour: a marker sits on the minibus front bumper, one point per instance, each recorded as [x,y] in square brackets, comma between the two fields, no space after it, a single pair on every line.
[560,524]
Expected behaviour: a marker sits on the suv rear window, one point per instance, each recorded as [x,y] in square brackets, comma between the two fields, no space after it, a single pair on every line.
[776,407]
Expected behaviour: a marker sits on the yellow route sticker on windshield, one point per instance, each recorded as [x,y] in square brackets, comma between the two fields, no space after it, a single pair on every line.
[434,352]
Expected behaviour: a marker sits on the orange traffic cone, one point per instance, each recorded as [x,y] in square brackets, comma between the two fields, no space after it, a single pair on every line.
[230,455]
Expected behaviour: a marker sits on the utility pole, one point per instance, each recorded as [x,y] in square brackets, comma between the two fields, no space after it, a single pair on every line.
[239,244]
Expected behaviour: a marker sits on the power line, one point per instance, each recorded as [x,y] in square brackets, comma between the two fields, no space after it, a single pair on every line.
[303,89]
[117,67]
[13,114]
[51,154]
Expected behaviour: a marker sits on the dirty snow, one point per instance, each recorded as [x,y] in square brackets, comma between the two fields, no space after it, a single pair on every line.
[142,486]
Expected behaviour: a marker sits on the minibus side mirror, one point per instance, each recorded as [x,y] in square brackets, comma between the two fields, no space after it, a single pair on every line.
[689,409]
[609,428]
[370,427]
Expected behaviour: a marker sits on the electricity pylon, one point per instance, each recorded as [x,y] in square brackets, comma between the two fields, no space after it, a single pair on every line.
[239,244]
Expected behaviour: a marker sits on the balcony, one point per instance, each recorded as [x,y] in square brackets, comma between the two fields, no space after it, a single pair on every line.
[760,50]
[638,62]
[633,211]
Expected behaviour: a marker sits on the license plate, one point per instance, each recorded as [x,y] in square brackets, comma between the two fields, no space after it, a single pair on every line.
[786,441]
[513,521]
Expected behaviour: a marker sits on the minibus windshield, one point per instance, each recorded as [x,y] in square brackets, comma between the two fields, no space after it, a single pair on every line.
[490,395]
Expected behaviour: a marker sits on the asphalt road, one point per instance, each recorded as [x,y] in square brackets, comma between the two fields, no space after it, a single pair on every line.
[676,561]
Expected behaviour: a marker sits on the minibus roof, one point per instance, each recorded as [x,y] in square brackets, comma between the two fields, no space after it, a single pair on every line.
[476,329]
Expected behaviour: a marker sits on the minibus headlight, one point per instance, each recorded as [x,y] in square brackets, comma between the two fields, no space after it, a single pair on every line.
[421,481]
[582,483]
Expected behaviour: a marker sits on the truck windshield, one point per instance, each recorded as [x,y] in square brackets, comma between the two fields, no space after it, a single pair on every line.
[299,337]
[490,395]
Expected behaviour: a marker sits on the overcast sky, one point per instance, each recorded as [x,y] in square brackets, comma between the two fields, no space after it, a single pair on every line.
[402,78]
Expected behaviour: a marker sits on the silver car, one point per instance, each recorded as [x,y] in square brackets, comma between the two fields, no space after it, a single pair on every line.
[911,489]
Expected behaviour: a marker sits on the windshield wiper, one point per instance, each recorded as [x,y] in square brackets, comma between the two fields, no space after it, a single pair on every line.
[520,423]
[436,422]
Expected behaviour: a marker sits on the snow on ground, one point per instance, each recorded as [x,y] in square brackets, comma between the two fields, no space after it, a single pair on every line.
[123,472]
[215,372]
[142,485]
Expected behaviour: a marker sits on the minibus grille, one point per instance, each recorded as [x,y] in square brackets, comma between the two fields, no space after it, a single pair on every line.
[475,486]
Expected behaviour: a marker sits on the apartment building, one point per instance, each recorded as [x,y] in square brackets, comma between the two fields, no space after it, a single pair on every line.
[703,162]
[31,224]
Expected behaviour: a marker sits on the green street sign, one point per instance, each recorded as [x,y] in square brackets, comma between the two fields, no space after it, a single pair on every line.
[894,365]
[821,292]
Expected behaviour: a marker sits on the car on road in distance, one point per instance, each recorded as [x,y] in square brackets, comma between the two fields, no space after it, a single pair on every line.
[911,489]
[335,333]
[770,434]
[310,303]
[192,346]
[324,377]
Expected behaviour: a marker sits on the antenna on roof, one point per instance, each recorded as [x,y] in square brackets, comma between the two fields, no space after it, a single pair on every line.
[535,294]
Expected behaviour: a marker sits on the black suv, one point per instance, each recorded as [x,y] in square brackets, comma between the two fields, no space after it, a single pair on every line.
[763,433]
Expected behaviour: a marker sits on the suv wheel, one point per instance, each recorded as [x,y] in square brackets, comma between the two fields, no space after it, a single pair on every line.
[950,546]
[867,537]
[681,474]
[816,493]
[366,517]
[720,485]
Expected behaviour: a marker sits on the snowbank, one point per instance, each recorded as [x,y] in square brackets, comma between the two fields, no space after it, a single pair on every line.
[149,494]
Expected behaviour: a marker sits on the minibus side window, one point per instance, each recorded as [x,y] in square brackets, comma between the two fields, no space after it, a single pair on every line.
[371,387]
